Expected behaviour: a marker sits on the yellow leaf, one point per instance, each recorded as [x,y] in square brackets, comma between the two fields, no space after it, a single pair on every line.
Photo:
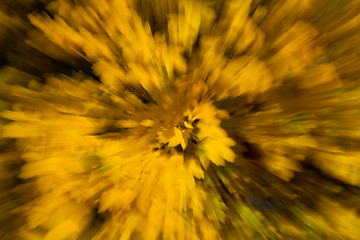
[281,166]
[62,231]
[22,130]
[345,167]
[195,168]
[177,138]
[148,123]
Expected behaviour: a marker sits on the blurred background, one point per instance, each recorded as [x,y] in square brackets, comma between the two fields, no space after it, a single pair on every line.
[184,119]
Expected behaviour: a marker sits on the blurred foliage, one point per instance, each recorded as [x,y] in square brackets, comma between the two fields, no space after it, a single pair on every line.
[184,119]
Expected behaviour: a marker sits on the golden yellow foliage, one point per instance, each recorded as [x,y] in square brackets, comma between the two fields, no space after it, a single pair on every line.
[184,119]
